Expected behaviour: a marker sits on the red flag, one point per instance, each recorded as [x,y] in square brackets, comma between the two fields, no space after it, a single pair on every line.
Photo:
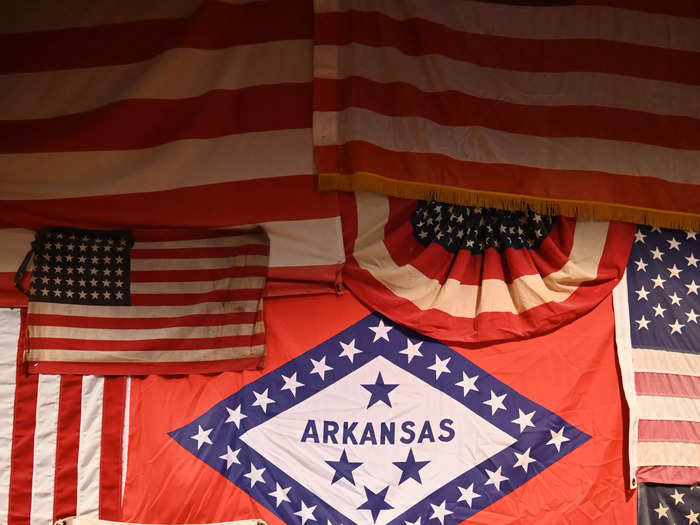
[584,486]
[475,274]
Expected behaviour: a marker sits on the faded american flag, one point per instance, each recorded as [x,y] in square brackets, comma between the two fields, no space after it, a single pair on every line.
[160,301]
[672,504]
[657,307]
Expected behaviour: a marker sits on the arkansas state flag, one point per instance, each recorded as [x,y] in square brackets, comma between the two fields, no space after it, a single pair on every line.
[357,419]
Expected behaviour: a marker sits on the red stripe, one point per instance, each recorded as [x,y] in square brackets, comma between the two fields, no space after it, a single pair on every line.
[256,109]
[117,323]
[97,346]
[421,37]
[510,179]
[686,8]
[648,383]
[204,367]
[451,108]
[680,431]
[200,253]
[207,206]
[197,234]
[113,409]
[668,474]
[175,276]
[68,435]
[22,459]
[194,298]
[215,25]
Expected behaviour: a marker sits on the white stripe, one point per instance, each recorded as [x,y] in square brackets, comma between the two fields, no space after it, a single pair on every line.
[665,362]
[87,173]
[53,93]
[207,242]
[672,454]
[125,436]
[195,287]
[435,73]
[133,334]
[96,355]
[9,332]
[668,408]
[45,436]
[480,144]
[89,450]
[120,312]
[626,360]
[463,300]
[197,264]
[551,22]
[312,242]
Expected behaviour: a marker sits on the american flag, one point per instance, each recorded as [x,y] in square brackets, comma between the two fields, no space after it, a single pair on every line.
[159,301]
[657,311]
[670,504]
[144,115]
[585,108]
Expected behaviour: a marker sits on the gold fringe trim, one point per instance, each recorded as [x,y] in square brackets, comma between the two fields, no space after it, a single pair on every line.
[587,210]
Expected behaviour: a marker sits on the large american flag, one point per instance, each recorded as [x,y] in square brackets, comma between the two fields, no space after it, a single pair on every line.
[182,114]
[585,108]
[158,301]
[657,325]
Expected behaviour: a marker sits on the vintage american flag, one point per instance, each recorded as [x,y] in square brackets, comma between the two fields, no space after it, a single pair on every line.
[672,504]
[657,312]
[585,108]
[158,301]
[149,114]
[472,274]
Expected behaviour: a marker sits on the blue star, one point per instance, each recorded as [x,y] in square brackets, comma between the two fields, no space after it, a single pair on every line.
[343,468]
[410,468]
[375,502]
[379,391]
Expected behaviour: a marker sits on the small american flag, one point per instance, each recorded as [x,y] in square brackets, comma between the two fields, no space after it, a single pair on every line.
[161,301]
[657,311]
[670,504]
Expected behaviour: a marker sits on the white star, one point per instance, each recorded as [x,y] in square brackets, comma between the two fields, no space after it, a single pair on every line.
[202,436]
[406,522]
[320,367]
[468,383]
[557,438]
[439,511]
[690,235]
[306,513]
[675,299]
[658,281]
[692,261]
[231,457]
[524,420]
[280,494]
[661,511]
[674,271]
[692,287]
[643,323]
[656,229]
[468,495]
[673,244]
[262,400]
[692,316]
[641,294]
[495,402]
[657,254]
[678,496]
[349,350]
[692,517]
[641,265]
[381,331]
[495,478]
[291,383]
[440,366]
[255,475]
[639,237]
[676,327]
[523,460]
[235,416]
[411,350]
